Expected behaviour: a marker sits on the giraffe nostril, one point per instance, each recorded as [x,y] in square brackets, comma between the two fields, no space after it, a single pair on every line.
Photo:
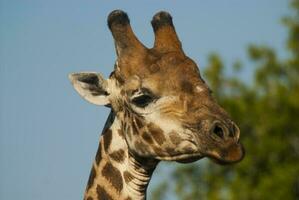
[218,131]
[225,130]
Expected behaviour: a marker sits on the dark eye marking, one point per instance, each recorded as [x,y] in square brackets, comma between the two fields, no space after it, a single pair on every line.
[144,99]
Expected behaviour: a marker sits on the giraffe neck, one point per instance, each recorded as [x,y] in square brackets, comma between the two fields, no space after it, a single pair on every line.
[117,173]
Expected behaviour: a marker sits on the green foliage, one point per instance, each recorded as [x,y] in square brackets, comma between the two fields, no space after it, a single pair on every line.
[267,113]
[159,192]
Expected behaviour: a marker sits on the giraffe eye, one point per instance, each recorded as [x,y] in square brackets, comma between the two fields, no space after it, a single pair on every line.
[142,100]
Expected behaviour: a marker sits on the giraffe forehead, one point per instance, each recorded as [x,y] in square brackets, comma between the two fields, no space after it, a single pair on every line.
[160,65]
[175,84]
[167,75]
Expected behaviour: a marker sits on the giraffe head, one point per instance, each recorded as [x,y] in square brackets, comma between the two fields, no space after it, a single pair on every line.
[165,108]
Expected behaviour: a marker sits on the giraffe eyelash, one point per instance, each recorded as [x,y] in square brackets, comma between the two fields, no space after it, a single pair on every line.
[143,97]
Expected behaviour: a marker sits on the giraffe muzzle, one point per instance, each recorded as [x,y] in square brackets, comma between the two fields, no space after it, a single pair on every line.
[220,141]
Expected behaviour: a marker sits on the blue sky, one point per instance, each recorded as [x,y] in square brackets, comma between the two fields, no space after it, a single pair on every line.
[48,134]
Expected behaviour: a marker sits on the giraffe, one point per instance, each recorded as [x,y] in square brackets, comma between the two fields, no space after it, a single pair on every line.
[161,110]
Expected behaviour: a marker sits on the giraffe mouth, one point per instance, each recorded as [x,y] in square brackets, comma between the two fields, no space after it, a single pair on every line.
[226,150]
[232,154]
[226,155]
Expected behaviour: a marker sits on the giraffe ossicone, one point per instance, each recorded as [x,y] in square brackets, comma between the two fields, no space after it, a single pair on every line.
[161,109]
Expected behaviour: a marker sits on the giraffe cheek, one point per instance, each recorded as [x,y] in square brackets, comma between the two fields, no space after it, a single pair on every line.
[157,133]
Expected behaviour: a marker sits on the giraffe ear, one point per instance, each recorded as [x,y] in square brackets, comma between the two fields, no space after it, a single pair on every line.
[91,86]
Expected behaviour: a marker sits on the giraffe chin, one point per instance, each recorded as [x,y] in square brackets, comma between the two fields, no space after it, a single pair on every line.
[233,154]
[189,160]
[182,158]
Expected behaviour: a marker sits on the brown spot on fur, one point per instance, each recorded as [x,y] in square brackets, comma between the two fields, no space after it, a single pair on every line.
[129,198]
[122,92]
[140,146]
[158,151]
[89,198]
[175,139]
[121,134]
[134,129]
[147,137]
[91,178]
[128,177]
[154,68]
[118,156]
[107,139]
[171,151]
[113,175]
[187,86]
[157,133]
[102,194]
[138,122]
